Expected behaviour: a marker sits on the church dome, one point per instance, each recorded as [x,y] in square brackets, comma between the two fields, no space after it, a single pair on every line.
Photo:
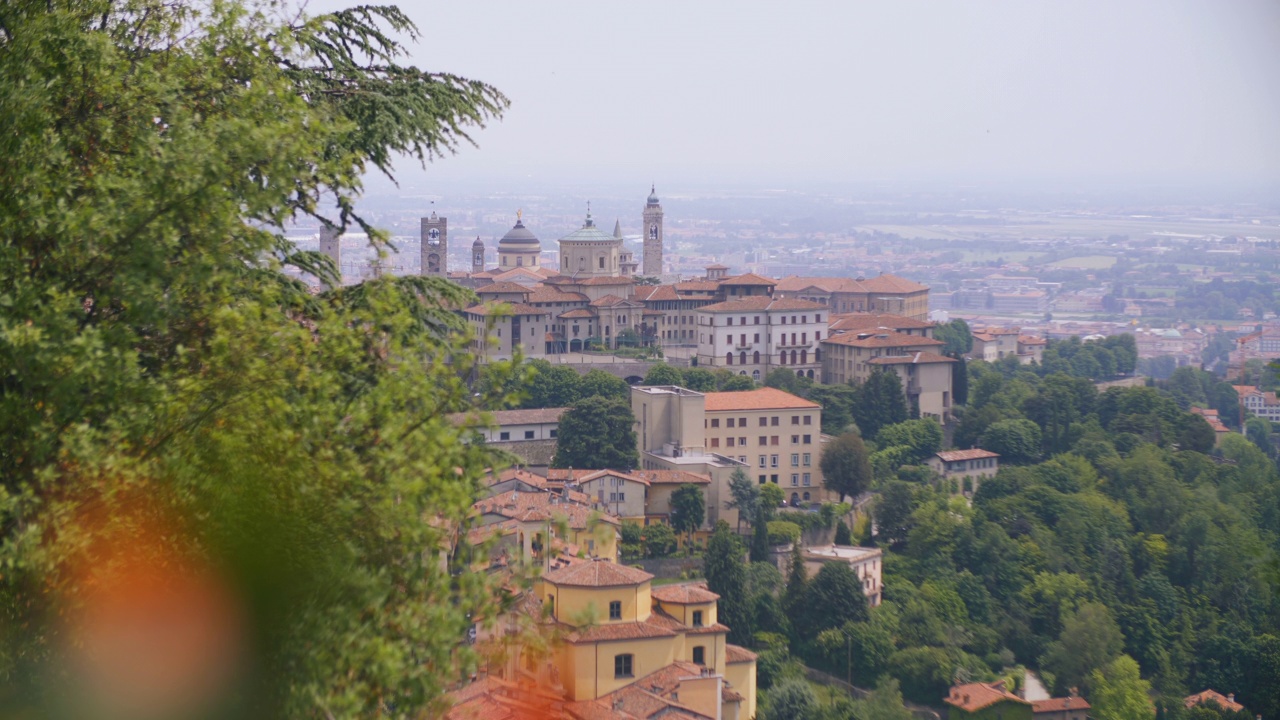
[653,195]
[519,238]
[478,242]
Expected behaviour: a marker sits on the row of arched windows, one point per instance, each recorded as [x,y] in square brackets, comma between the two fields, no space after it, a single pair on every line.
[800,357]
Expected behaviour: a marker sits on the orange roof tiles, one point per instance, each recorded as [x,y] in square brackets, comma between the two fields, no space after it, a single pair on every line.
[915,358]
[748,279]
[1075,702]
[673,477]
[735,654]
[958,455]
[684,594]
[871,321]
[536,416]
[975,696]
[1226,703]
[598,574]
[503,288]
[881,339]
[766,398]
[612,632]
[504,308]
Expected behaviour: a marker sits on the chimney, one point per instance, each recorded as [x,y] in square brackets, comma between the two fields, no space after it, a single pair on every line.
[1231,697]
[965,699]
[617,702]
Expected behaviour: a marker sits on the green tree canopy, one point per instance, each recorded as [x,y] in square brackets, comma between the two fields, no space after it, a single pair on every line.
[727,577]
[744,495]
[1118,692]
[688,508]
[552,386]
[596,433]
[838,591]
[601,383]
[663,374]
[1017,441]
[176,405]
[879,401]
[846,466]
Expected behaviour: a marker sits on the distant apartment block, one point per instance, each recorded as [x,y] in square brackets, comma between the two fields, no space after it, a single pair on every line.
[755,335]
[926,375]
[881,294]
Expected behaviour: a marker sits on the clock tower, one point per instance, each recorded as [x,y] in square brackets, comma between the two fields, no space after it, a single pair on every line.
[652,236]
[435,246]
[477,256]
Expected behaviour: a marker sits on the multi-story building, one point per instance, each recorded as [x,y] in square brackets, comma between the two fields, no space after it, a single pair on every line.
[881,294]
[754,335]
[865,563]
[926,375]
[926,379]
[1261,345]
[994,344]
[1261,404]
[967,467]
[641,496]
[1031,349]
[842,323]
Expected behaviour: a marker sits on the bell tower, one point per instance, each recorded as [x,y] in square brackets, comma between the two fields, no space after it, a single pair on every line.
[331,245]
[477,256]
[435,246]
[652,225]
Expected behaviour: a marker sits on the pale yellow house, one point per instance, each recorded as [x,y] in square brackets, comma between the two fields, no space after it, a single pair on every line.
[967,467]
[534,526]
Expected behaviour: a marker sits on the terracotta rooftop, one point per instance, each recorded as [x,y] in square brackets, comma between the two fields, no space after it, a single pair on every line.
[975,696]
[651,293]
[537,416]
[615,631]
[504,308]
[1075,702]
[598,574]
[878,284]
[735,654]
[748,279]
[881,338]
[1226,703]
[915,358]
[871,321]
[673,477]
[576,313]
[634,477]
[958,455]
[683,594]
[762,303]
[503,288]
[552,294]
[697,286]
[765,398]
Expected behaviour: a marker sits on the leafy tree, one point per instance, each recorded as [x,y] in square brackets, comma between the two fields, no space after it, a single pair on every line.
[843,536]
[846,467]
[784,380]
[663,374]
[688,509]
[925,672]
[771,498]
[699,379]
[659,540]
[782,532]
[601,383]
[1090,640]
[797,582]
[838,591]
[956,335]
[760,537]
[1258,430]
[552,386]
[728,382]
[883,703]
[893,509]
[1017,441]
[176,404]
[1118,692]
[632,539]
[1196,435]
[744,495]
[791,699]
[879,401]
[597,433]
[727,577]
[923,437]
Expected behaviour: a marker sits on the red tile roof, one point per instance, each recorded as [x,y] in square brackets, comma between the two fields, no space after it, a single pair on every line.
[617,631]
[684,594]
[734,654]
[504,308]
[598,574]
[915,358]
[766,398]
[748,279]
[503,288]
[1206,695]
[673,477]
[861,321]
[881,339]
[975,696]
[537,416]
[958,455]
[1074,702]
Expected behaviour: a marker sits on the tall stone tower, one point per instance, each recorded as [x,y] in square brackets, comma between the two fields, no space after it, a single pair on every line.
[435,246]
[652,235]
[331,245]
[477,256]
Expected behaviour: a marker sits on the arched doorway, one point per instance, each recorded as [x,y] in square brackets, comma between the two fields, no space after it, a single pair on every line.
[795,499]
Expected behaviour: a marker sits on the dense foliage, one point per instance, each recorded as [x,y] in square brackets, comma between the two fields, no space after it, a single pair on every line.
[188,436]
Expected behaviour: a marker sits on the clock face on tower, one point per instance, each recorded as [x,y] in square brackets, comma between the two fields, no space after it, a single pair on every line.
[433,236]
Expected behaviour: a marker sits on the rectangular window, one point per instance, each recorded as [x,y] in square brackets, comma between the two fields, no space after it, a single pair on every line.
[742,442]
[742,422]
[774,421]
[795,459]
[795,419]
[764,440]
[807,439]
[615,610]
[761,477]
[808,419]
[742,459]
[504,436]
[699,655]
[764,461]
[528,434]
[715,422]
[795,479]
[795,439]
[697,618]
[773,461]
[730,442]
[808,457]
[773,440]
[622,666]
[757,337]
[729,423]
[552,433]
[807,479]
[773,479]
[764,422]
[715,442]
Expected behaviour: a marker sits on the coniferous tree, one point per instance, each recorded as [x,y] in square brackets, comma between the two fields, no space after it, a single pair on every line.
[727,577]
[879,401]
[760,537]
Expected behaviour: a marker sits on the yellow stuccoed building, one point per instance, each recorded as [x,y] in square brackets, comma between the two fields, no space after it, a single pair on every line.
[621,649]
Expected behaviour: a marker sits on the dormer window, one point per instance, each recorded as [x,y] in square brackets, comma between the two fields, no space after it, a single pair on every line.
[615,610]
[697,619]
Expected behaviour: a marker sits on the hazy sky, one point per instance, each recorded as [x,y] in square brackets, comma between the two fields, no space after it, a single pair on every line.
[766,93]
